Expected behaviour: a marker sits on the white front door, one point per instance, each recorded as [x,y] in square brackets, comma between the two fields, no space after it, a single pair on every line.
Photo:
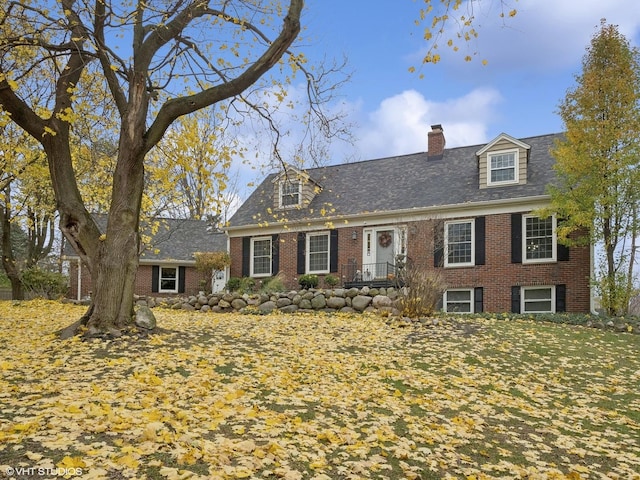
[381,246]
[219,281]
[384,252]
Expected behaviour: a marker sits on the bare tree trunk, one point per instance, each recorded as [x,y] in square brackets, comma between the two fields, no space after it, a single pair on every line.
[632,256]
[112,259]
[117,262]
[8,258]
[114,282]
[118,252]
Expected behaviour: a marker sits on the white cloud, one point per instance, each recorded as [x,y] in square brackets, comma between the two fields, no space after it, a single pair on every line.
[544,35]
[401,123]
[552,34]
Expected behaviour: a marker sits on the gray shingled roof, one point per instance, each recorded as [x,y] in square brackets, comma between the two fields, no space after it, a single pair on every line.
[405,182]
[175,240]
[178,239]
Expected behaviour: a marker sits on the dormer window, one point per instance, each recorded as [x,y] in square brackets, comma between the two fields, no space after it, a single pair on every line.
[502,167]
[503,161]
[293,189]
[290,193]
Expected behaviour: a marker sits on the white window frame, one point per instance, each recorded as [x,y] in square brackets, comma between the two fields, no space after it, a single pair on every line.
[308,252]
[446,244]
[252,262]
[446,302]
[554,242]
[176,279]
[400,241]
[281,193]
[516,167]
[523,301]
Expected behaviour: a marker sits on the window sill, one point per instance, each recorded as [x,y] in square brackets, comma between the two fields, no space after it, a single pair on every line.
[539,261]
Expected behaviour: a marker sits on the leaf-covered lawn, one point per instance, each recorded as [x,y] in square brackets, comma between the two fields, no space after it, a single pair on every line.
[324,397]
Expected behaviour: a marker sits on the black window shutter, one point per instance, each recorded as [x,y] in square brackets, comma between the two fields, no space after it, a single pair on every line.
[333,251]
[155,278]
[438,257]
[302,239]
[562,251]
[480,240]
[478,300]
[440,304]
[516,238]
[275,254]
[515,299]
[181,278]
[246,256]
[561,298]
[438,245]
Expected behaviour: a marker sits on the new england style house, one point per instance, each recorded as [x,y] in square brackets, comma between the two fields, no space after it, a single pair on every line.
[468,213]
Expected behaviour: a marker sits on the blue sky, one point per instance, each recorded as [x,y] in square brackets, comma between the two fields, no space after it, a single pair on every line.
[532,61]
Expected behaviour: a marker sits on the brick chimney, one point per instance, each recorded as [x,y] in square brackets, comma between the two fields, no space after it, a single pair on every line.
[436,141]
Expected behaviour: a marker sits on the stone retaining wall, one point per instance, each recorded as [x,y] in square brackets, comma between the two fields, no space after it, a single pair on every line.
[335,300]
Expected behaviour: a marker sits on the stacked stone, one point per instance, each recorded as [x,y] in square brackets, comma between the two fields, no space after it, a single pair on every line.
[352,300]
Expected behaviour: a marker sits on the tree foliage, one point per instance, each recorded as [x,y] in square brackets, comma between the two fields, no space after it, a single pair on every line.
[27,206]
[156,63]
[211,263]
[452,23]
[188,171]
[598,162]
[68,66]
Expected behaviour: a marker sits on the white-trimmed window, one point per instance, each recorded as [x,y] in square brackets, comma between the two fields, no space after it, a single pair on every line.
[261,252]
[539,236]
[318,252]
[538,299]
[168,278]
[290,193]
[502,167]
[459,243]
[458,300]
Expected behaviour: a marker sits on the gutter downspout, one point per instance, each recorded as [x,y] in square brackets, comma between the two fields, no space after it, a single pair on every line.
[79,293]
[592,281]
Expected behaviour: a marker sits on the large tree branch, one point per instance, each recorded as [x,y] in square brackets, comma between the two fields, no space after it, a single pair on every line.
[162,33]
[177,107]
[20,111]
[109,74]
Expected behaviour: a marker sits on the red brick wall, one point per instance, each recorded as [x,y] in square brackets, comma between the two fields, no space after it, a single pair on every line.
[143,281]
[73,281]
[235,252]
[289,258]
[288,266]
[191,285]
[497,276]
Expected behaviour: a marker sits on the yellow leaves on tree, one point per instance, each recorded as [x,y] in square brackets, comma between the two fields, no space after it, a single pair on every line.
[189,169]
[443,19]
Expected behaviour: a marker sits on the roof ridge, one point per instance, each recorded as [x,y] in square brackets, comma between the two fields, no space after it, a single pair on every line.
[378,159]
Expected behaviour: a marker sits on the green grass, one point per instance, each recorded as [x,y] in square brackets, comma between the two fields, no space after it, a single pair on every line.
[324,397]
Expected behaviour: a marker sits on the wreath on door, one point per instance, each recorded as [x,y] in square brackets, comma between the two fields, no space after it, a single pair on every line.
[384,239]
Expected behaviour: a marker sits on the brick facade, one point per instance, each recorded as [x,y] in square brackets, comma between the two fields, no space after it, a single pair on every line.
[192,282]
[497,275]
[464,213]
